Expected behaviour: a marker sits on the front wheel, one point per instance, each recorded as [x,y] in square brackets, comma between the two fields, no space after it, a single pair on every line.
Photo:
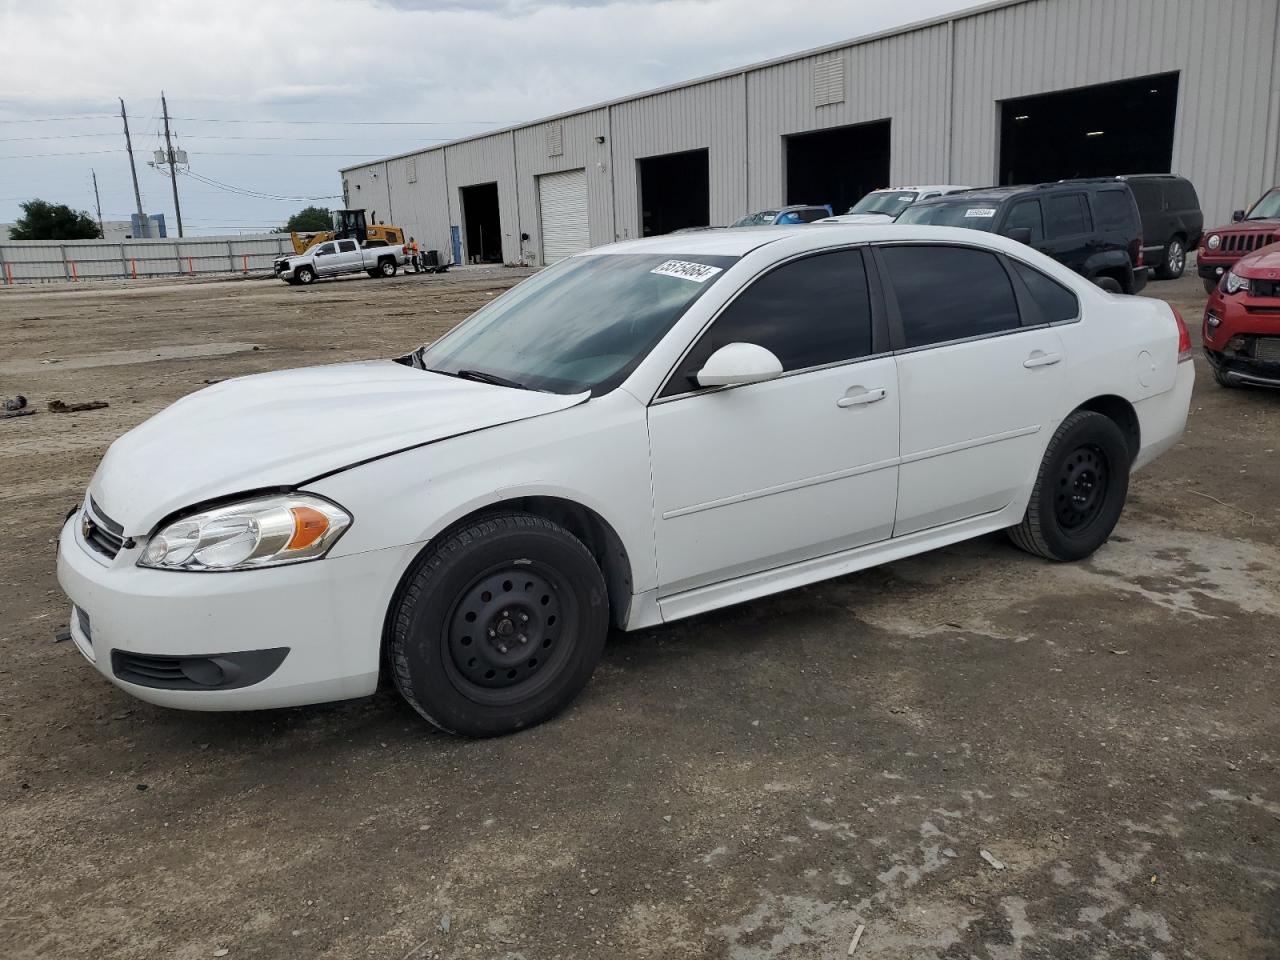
[1175,260]
[387,267]
[305,276]
[500,626]
[1079,491]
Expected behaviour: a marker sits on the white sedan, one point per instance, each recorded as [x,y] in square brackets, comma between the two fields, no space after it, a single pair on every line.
[643,432]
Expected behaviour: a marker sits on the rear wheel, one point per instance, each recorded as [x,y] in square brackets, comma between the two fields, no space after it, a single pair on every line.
[1079,492]
[1175,259]
[500,626]
[305,276]
[387,267]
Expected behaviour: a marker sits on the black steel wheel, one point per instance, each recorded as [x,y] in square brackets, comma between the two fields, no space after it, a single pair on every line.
[1079,491]
[499,625]
[1175,259]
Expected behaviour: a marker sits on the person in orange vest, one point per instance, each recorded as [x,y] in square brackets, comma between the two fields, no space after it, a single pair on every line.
[413,255]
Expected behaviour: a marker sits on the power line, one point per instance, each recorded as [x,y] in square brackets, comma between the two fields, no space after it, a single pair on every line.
[360,123]
[93,116]
[256,194]
[216,136]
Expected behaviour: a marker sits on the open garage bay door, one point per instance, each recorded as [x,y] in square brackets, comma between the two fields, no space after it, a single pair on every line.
[562,203]
[838,166]
[1098,131]
[675,192]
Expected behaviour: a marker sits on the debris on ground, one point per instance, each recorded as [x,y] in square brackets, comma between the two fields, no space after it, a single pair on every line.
[15,403]
[445,922]
[857,935]
[988,856]
[17,413]
[61,406]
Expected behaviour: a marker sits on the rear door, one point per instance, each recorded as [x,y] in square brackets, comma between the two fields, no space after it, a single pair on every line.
[1068,228]
[349,257]
[979,386]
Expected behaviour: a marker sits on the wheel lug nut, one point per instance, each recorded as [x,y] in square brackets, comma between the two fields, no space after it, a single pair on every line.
[492,632]
[523,638]
[502,649]
[524,617]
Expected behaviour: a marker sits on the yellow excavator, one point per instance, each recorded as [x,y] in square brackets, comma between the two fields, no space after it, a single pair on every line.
[351,225]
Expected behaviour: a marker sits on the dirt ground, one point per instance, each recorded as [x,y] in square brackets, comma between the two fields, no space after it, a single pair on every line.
[753,783]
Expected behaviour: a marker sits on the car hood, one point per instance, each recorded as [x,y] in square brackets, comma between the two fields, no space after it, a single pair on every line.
[1247,226]
[281,429]
[1262,264]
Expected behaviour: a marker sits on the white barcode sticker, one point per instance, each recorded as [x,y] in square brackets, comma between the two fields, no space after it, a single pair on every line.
[685,270]
[974,213]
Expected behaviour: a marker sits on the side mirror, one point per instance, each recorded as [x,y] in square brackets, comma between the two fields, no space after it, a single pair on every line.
[1019,235]
[1237,216]
[739,363]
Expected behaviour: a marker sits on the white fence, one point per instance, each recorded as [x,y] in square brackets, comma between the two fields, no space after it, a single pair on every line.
[37,261]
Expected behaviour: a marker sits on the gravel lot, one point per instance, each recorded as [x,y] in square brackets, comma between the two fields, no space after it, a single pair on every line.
[753,783]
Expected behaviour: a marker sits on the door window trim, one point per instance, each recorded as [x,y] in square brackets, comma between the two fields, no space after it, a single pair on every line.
[880,326]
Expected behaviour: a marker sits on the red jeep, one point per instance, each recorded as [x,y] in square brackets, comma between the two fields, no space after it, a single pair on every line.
[1242,322]
[1223,246]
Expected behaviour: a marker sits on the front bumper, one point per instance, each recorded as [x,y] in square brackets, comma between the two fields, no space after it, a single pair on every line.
[1238,369]
[328,615]
[1211,267]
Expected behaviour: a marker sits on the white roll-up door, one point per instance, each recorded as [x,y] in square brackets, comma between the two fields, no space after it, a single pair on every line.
[562,199]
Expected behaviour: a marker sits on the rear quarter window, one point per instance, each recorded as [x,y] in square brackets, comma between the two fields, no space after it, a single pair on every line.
[1182,195]
[1113,210]
[1057,304]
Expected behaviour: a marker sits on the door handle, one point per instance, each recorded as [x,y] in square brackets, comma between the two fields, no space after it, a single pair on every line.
[858,399]
[1039,358]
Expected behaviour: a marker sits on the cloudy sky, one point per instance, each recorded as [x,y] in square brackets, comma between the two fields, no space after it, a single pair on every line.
[270,98]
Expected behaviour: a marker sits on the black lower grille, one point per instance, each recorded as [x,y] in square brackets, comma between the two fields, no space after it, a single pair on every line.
[1265,288]
[82,621]
[222,671]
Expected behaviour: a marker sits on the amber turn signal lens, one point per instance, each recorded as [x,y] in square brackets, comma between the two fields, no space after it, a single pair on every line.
[309,526]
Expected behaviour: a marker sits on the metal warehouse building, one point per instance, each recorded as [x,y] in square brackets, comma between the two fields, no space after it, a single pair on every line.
[1010,92]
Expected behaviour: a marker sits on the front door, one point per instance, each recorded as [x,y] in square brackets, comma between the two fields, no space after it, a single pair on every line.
[756,476]
[980,389]
[326,260]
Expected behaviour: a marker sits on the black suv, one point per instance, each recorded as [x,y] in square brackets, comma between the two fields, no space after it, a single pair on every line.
[1091,226]
[1171,220]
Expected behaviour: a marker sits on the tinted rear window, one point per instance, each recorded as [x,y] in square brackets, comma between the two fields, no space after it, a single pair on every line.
[1181,195]
[1055,301]
[1066,215]
[974,214]
[949,293]
[1113,210]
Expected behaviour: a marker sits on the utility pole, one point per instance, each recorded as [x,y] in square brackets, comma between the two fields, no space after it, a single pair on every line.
[173,170]
[143,225]
[97,200]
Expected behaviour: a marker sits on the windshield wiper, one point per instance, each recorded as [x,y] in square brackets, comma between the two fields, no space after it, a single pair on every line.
[481,377]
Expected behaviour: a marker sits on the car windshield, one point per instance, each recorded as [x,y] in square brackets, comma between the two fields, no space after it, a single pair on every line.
[1268,208]
[974,214]
[583,324]
[889,202]
[757,219]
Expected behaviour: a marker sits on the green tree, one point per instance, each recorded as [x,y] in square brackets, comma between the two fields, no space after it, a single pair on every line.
[42,220]
[309,220]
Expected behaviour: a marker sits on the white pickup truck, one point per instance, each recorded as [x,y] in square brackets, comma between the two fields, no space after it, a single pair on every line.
[335,257]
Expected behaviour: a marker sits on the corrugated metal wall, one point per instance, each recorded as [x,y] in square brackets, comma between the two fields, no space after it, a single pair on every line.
[939,84]
[903,78]
[579,151]
[1223,50]
[24,261]
[710,116]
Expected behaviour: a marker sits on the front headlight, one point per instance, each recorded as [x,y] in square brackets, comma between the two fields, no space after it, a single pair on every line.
[264,532]
[1214,242]
[1234,283]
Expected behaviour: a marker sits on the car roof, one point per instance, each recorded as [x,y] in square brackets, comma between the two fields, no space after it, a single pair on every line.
[1001,193]
[922,188]
[737,242]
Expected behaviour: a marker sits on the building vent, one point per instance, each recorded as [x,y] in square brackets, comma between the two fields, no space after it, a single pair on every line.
[555,140]
[828,80]
[411,169]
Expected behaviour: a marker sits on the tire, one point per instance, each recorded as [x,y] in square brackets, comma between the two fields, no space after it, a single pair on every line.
[1174,262]
[1209,285]
[1109,284]
[387,267]
[1079,492]
[305,276]
[458,658]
